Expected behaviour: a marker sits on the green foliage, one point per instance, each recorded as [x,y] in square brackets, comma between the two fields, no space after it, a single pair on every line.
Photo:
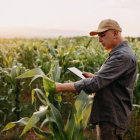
[77,120]
[10,91]
[52,56]
[132,131]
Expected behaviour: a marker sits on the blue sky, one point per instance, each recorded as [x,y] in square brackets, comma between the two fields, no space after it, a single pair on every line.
[81,15]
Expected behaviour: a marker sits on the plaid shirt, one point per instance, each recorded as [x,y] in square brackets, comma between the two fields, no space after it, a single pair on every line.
[113,85]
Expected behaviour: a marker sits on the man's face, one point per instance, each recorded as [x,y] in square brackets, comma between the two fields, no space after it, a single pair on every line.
[107,39]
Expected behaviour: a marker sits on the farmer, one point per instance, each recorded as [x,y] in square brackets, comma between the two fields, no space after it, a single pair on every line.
[113,83]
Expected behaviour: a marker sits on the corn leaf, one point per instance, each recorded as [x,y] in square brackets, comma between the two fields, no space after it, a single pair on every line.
[87,110]
[55,131]
[22,121]
[34,120]
[57,71]
[48,119]
[34,78]
[40,95]
[31,123]
[42,134]
[78,132]
[56,116]
[49,85]
[10,125]
[77,120]
[31,73]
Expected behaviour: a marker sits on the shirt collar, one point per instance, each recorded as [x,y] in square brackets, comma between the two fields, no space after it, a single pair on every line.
[122,44]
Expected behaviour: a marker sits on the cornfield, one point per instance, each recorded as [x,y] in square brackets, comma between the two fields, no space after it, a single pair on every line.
[52,57]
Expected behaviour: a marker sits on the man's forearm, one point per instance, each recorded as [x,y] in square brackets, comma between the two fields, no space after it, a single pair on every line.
[66,87]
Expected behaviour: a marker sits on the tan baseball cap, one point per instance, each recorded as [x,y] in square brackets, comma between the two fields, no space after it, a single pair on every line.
[105,25]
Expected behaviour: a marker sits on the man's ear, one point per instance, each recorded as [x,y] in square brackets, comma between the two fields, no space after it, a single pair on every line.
[116,34]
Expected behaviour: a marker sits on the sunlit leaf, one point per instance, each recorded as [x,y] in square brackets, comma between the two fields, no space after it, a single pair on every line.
[77,120]
[31,73]
[34,120]
[8,126]
[31,123]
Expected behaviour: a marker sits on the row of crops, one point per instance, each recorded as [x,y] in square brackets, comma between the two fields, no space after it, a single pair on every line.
[20,55]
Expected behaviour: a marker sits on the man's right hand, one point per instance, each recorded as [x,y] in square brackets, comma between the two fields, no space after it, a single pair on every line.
[87,74]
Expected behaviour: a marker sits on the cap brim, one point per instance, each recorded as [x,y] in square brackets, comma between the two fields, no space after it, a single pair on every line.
[92,33]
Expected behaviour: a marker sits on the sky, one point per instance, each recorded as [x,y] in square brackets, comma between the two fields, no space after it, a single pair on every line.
[75,15]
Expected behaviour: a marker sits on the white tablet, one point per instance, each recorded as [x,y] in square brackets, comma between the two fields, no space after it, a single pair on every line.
[77,72]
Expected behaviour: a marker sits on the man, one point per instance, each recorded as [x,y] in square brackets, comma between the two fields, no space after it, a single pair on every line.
[113,83]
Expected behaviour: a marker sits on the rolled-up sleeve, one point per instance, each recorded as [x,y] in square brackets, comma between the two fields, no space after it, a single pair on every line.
[114,67]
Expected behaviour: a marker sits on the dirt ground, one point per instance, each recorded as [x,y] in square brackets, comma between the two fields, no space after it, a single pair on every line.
[30,135]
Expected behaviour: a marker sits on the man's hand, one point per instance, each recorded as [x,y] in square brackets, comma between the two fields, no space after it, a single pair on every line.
[87,74]
[66,87]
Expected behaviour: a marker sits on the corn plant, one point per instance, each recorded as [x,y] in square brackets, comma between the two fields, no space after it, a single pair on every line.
[82,52]
[10,92]
[133,130]
[77,120]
